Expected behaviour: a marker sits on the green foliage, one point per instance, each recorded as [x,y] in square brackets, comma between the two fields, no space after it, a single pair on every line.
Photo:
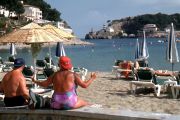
[132,25]
[47,12]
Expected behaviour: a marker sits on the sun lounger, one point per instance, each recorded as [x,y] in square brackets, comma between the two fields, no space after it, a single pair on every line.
[48,71]
[41,64]
[81,71]
[145,79]
[28,72]
[125,69]
[175,88]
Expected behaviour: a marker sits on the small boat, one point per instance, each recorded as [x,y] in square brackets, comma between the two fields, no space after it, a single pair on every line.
[160,41]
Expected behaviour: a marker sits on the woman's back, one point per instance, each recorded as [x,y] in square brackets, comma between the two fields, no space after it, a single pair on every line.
[63,81]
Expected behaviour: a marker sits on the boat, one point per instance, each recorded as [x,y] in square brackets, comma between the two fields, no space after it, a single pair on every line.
[160,41]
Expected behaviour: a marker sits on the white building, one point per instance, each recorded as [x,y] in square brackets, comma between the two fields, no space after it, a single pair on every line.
[32,12]
[60,25]
[150,28]
[110,29]
[6,12]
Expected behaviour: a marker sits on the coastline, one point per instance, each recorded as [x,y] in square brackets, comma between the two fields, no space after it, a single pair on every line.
[23,45]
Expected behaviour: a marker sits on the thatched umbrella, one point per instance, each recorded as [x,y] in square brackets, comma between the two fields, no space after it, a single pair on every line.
[60,33]
[32,34]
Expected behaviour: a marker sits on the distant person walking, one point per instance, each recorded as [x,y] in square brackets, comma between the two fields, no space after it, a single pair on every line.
[64,84]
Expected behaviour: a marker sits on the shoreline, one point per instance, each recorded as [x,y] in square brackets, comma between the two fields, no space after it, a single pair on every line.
[22,45]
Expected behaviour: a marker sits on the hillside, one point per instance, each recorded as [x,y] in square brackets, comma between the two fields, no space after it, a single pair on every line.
[134,25]
[9,23]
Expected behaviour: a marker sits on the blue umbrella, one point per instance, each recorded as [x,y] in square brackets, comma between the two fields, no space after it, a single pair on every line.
[172,53]
[12,49]
[60,50]
[144,50]
[137,52]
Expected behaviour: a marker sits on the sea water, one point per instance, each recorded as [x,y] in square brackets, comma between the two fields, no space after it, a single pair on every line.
[102,55]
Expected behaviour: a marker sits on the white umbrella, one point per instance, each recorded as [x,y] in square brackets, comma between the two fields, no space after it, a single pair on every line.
[13,49]
[144,50]
[137,51]
[172,53]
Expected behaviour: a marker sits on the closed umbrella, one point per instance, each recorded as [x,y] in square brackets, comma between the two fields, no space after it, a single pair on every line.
[172,53]
[137,52]
[60,50]
[13,49]
[144,50]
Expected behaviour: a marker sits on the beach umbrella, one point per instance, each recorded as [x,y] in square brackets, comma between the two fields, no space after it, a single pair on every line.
[60,33]
[144,54]
[13,49]
[137,52]
[60,50]
[32,34]
[172,53]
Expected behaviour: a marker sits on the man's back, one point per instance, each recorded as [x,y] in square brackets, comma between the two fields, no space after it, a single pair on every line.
[14,84]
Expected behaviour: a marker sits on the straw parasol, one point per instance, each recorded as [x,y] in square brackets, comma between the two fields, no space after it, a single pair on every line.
[32,34]
[60,33]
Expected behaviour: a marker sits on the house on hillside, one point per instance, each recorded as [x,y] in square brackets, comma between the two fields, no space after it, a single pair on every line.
[61,26]
[6,13]
[150,28]
[32,13]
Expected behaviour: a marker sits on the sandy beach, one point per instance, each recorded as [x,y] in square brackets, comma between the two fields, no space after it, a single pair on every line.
[115,94]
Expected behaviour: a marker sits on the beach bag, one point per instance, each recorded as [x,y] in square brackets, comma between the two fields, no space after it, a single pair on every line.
[36,101]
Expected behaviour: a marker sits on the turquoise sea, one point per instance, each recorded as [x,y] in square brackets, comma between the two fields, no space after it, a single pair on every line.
[101,55]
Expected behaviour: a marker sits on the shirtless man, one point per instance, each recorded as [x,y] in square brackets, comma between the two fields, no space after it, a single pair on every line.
[14,86]
[64,84]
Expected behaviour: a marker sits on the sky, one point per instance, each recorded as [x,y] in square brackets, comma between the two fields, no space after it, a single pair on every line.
[84,15]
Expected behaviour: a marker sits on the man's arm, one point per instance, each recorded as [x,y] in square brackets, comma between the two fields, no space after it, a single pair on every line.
[23,89]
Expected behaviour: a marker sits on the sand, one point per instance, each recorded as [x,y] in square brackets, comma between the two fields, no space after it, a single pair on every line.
[114,93]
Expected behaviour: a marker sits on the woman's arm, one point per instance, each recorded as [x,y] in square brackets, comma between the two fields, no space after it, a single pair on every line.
[84,84]
[44,83]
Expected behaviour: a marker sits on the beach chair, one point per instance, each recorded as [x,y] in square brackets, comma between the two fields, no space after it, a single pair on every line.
[175,88]
[11,58]
[48,71]
[7,66]
[115,67]
[48,60]
[145,78]
[125,69]
[81,71]
[28,72]
[41,64]
[143,63]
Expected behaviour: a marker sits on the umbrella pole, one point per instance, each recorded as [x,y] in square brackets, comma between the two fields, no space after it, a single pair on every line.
[49,55]
[172,66]
[35,75]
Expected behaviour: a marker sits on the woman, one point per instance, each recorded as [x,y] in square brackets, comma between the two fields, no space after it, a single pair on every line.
[64,82]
